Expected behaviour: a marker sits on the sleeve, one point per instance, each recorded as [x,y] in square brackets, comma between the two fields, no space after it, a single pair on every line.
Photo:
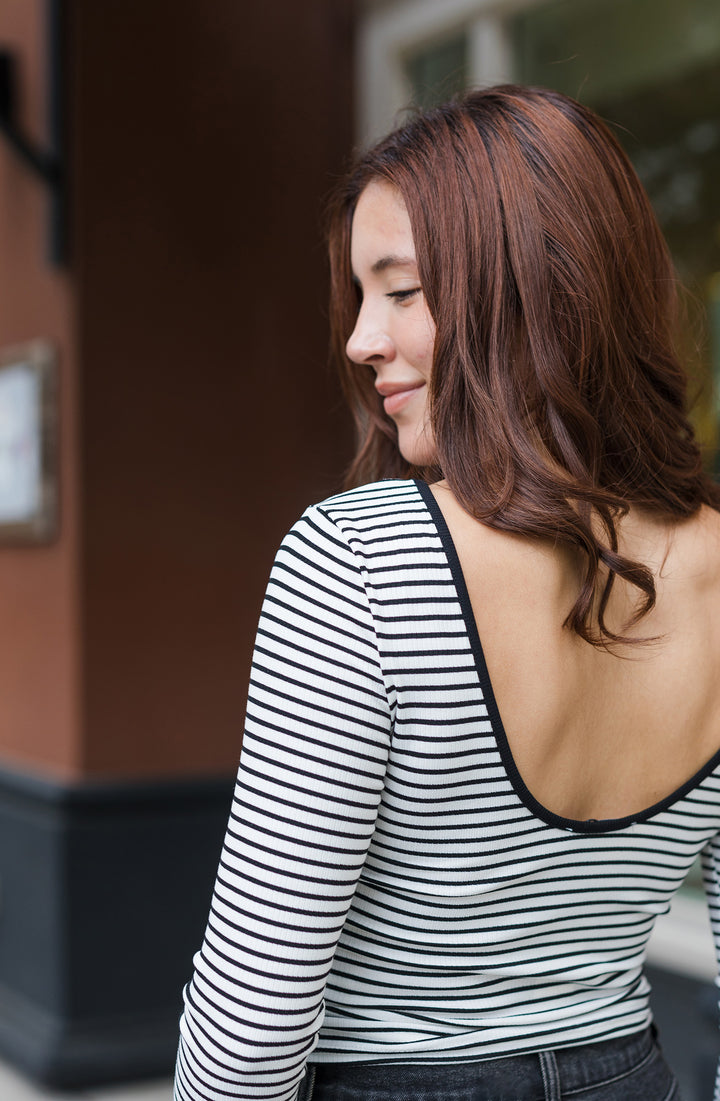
[311,775]
[710,861]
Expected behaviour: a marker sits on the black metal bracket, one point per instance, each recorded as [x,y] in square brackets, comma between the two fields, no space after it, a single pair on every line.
[45,163]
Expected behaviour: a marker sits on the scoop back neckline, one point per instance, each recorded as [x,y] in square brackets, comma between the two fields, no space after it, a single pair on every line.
[586,826]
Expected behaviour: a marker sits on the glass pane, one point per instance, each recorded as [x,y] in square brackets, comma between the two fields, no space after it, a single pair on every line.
[653,68]
[600,49]
[439,71]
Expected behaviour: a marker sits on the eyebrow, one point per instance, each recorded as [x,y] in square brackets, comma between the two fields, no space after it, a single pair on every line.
[391,261]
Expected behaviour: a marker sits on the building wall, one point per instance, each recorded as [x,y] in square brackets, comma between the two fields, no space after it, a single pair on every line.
[196,414]
[40,668]
[205,146]
[197,419]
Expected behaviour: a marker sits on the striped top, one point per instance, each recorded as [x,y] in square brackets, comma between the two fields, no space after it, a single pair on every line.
[389,890]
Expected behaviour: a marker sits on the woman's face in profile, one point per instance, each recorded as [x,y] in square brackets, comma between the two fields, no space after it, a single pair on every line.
[394,332]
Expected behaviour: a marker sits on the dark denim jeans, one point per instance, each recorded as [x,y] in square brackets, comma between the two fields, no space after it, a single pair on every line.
[629,1069]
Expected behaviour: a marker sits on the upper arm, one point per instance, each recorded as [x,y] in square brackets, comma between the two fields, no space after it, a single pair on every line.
[310,780]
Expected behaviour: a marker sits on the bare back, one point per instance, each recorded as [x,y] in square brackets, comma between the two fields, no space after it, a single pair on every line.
[593,734]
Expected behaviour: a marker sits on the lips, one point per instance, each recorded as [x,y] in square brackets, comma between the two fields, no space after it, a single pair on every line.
[396,395]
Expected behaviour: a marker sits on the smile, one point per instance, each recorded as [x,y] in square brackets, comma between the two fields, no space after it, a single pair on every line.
[394,400]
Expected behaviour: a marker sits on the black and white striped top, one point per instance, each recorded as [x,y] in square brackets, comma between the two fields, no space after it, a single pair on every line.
[389,890]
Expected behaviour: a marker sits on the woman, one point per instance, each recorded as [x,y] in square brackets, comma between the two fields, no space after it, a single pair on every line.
[483,730]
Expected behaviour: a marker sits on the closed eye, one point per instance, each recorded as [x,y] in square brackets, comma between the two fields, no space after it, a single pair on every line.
[403,296]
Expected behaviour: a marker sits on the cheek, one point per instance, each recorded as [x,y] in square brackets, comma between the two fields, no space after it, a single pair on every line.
[427,356]
[423,347]
[428,345]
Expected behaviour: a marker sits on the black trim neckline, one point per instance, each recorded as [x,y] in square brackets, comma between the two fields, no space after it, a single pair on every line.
[585,826]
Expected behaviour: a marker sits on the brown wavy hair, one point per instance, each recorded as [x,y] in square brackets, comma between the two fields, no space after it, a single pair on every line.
[557,400]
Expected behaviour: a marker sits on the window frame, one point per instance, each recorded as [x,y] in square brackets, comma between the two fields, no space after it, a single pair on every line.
[389,32]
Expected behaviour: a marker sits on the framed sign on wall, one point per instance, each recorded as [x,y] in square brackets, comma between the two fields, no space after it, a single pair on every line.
[28,426]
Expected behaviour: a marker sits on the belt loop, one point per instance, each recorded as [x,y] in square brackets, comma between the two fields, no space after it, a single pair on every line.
[550,1075]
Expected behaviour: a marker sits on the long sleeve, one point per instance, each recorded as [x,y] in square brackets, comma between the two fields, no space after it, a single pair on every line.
[311,776]
[710,860]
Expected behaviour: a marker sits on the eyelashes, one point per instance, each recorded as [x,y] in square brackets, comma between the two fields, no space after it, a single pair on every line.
[395,296]
[403,296]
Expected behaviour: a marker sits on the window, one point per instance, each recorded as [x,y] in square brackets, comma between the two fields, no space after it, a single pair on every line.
[439,71]
[652,67]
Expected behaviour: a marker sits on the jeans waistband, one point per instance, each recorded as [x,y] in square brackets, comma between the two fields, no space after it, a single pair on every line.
[576,1067]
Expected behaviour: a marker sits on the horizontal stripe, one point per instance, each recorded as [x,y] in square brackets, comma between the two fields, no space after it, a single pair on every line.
[384,864]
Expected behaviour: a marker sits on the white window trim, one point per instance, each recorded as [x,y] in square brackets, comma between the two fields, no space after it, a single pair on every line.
[386,35]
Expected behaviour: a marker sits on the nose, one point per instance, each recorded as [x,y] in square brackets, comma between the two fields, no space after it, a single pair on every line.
[369,342]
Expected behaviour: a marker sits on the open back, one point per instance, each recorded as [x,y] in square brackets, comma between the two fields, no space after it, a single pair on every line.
[596,734]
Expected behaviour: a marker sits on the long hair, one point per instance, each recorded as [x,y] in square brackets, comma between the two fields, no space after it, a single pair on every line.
[557,400]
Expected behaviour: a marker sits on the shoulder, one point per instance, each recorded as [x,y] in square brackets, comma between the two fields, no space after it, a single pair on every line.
[377,520]
[387,498]
[371,509]
[334,553]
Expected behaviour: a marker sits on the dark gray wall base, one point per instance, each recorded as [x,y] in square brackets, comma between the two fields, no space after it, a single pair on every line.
[104,894]
[72,1054]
